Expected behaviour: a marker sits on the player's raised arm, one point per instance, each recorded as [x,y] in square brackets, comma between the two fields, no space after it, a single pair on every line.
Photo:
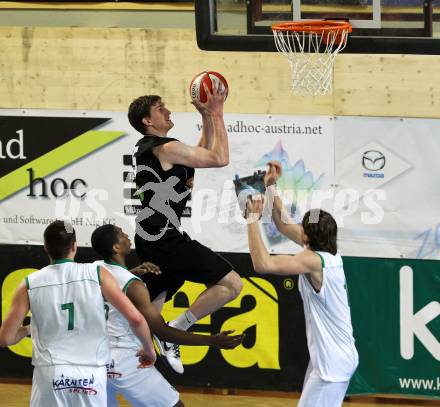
[197,92]
[282,220]
[207,133]
[217,155]
[263,262]
[176,152]
[113,294]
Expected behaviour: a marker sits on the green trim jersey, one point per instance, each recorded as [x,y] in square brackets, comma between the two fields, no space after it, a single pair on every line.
[333,354]
[118,328]
[68,320]
[142,387]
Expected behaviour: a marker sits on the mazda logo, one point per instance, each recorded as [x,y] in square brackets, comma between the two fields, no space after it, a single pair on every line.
[373,160]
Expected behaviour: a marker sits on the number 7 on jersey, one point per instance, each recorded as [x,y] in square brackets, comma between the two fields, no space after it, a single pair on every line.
[69,306]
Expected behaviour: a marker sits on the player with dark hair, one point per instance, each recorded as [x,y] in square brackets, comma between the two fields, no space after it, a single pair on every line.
[69,335]
[333,355]
[146,387]
[164,170]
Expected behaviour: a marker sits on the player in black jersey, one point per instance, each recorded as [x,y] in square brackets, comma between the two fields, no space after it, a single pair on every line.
[164,170]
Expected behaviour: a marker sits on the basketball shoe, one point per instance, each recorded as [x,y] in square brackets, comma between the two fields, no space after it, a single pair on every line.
[170,352]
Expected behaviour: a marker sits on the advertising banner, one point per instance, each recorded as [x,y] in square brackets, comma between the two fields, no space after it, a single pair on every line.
[269,311]
[375,175]
[386,171]
[78,166]
[395,308]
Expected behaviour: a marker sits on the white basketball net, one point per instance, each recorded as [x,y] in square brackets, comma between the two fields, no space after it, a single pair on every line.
[312,70]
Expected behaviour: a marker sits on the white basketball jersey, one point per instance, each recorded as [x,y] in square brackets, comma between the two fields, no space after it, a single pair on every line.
[333,354]
[118,328]
[68,319]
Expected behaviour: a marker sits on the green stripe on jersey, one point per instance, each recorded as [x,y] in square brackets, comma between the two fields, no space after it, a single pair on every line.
[61,261]
[125,288]
[98,270]
[322,260]
[111,262]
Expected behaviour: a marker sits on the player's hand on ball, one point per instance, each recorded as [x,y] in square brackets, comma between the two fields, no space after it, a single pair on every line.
[273,173]
[216,99]
[146,359]
[224,340]
[218,92]
[199,106]
[144,268]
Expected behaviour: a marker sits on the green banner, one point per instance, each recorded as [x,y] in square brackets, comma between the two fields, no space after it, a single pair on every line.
[396,320]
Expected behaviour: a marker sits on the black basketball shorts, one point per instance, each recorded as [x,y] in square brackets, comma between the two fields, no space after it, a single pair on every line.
[180,259]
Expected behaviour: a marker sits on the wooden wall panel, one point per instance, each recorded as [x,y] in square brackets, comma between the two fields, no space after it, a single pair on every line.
[387,85]
[96,68]
[105,68]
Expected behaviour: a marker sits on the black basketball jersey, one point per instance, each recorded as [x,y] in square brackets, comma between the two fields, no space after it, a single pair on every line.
[148,169]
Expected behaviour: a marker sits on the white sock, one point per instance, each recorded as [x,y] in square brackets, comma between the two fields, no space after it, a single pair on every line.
[184,321]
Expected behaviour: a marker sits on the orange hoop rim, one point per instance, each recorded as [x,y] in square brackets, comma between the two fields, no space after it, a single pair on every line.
[313,26]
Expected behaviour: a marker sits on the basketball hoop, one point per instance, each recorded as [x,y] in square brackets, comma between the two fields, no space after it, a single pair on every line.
[311,48]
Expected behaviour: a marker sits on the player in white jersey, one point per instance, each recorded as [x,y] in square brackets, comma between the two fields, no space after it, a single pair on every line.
[147,387]
[333,355]
[68,327]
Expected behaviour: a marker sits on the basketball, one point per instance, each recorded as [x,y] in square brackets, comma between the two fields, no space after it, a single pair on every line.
[196,89]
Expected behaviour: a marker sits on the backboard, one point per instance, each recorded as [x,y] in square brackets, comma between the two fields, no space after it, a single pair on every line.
[379,26]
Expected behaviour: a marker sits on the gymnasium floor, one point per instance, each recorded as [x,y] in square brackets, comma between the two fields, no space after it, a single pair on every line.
[17,395]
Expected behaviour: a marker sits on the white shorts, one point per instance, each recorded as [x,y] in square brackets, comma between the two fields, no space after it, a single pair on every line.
[69,385]
[320,393]
[140,387]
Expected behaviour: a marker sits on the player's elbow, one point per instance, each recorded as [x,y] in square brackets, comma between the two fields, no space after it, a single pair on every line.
[219,158]
[224,161]
[220,162]
[5,340]
[259,269]
[262,267]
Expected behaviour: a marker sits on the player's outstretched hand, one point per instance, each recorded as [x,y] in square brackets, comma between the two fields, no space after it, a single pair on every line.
[146,359]
[273,173]
[144,268]
[254,208]
[224,340]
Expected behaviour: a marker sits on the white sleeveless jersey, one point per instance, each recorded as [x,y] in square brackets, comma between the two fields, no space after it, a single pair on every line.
[118,328]
[333,354]
[68,319]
